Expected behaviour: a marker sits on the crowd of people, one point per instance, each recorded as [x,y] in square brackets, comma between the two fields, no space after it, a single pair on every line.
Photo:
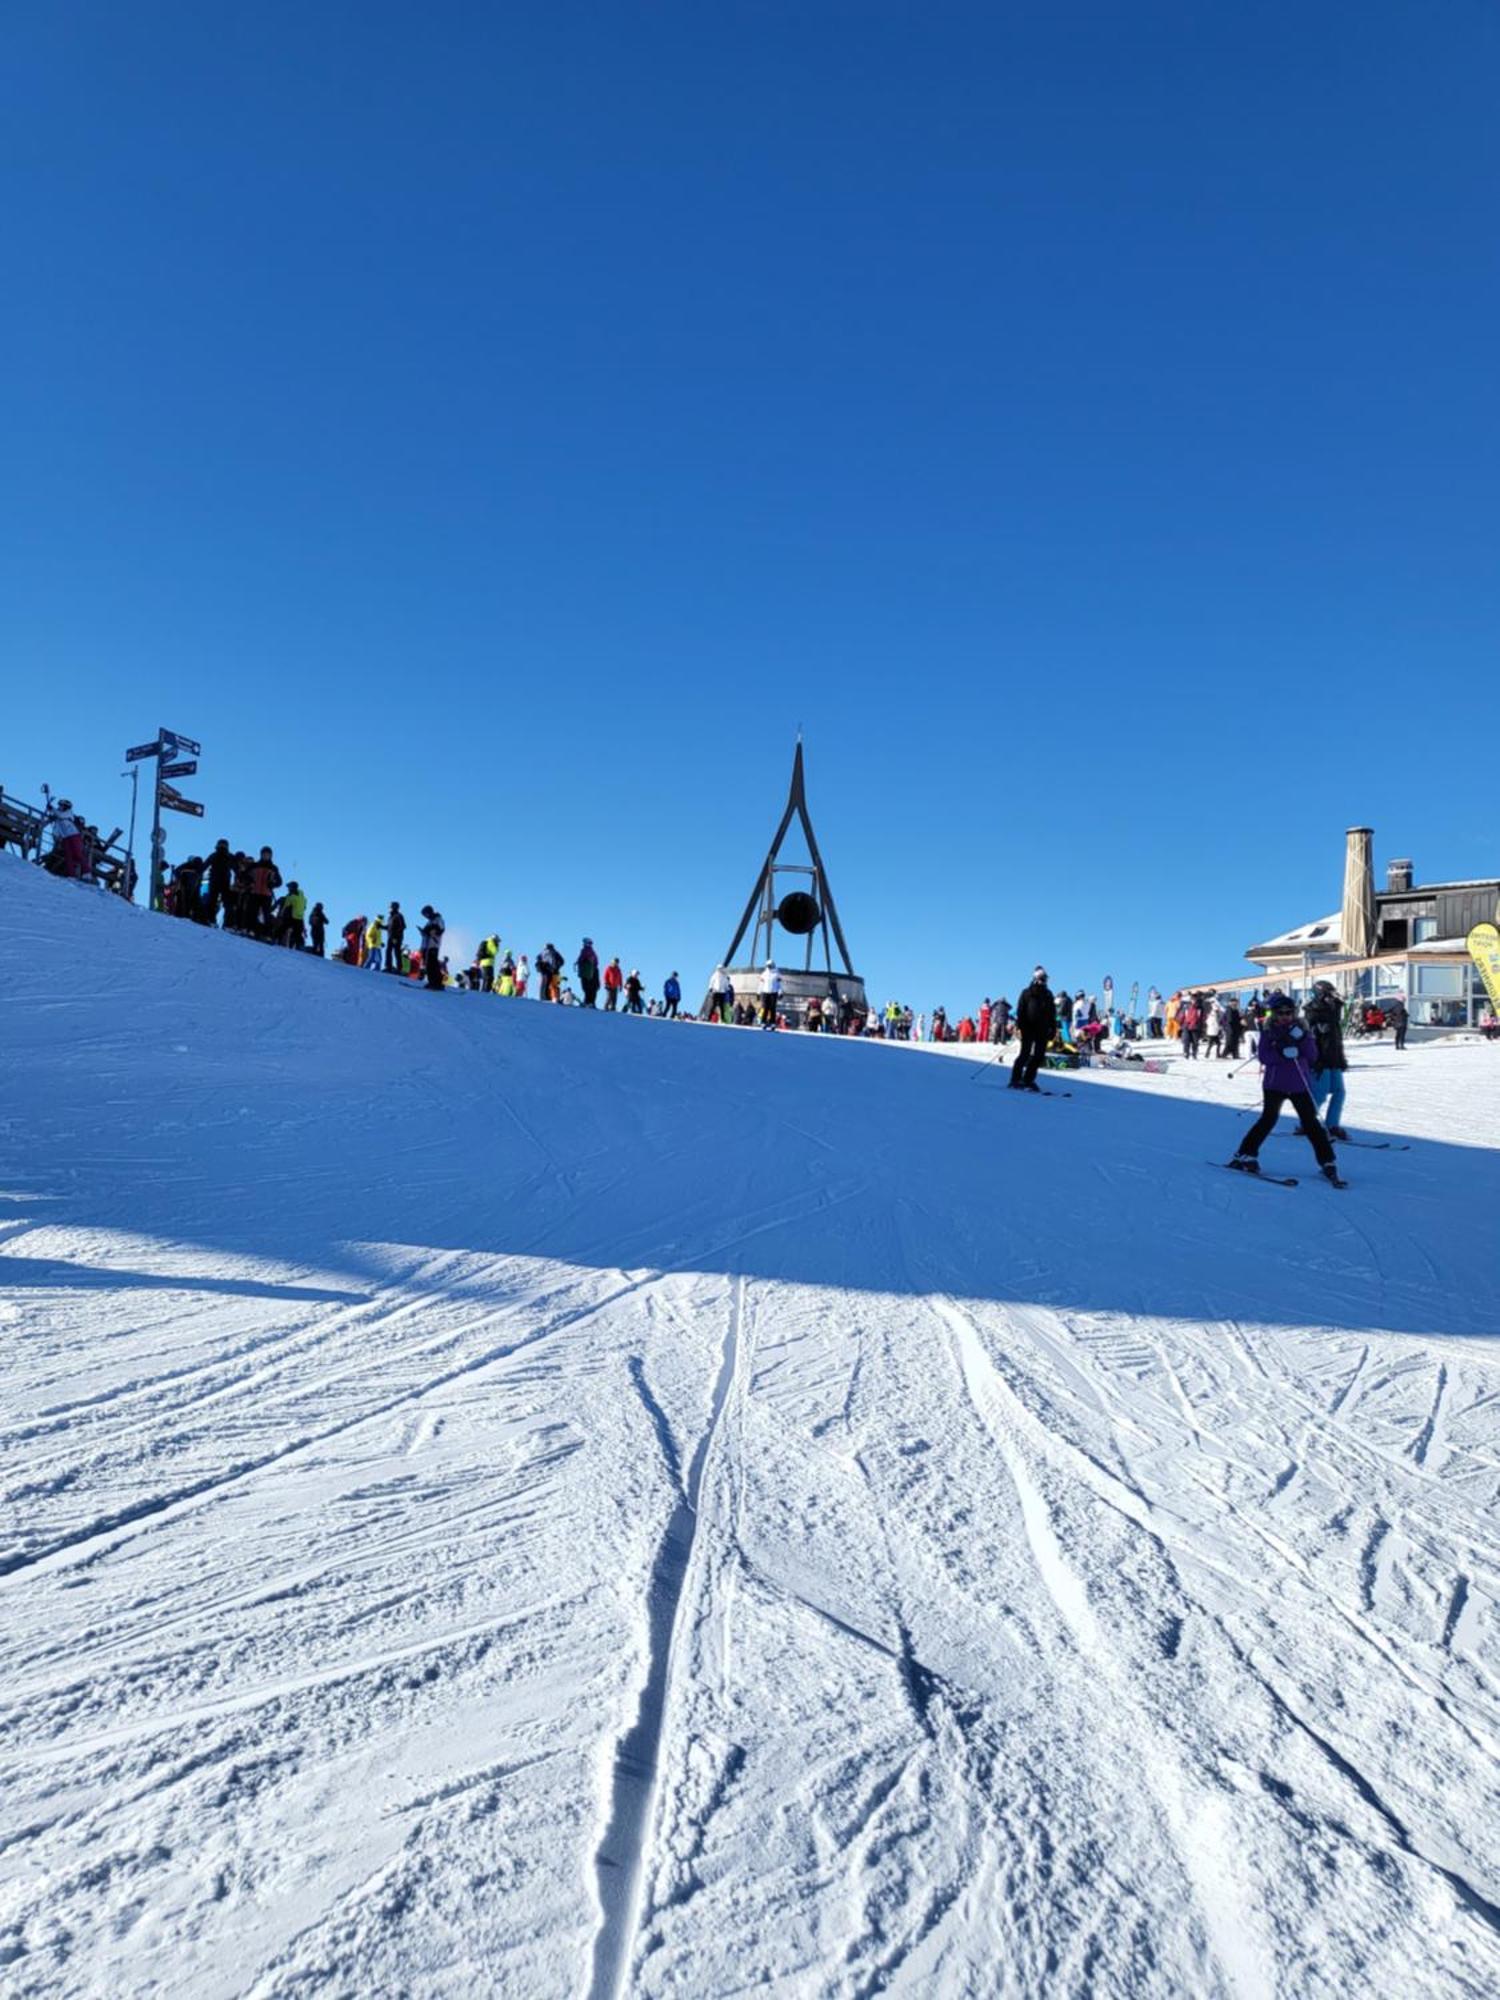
[245,892]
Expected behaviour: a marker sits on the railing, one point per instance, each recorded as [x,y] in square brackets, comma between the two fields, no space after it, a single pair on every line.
[24,827]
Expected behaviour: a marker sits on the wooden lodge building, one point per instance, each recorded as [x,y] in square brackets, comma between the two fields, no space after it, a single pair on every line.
[1406,940]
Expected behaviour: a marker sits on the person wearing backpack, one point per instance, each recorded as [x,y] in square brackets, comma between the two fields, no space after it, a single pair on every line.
[549,963]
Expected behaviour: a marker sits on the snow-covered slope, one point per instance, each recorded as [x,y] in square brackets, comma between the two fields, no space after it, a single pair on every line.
[501,1500]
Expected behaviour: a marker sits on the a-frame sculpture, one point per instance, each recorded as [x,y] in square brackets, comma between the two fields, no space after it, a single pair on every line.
[802,914]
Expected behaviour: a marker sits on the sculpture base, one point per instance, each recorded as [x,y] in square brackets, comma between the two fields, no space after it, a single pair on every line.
[797,988]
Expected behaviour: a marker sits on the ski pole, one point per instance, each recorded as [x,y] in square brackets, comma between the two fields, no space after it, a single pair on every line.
[997,1057]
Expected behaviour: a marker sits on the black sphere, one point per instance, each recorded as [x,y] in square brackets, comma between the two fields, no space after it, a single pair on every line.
[798,913]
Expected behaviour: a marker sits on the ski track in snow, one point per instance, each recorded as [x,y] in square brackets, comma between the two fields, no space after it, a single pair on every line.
[745,1512]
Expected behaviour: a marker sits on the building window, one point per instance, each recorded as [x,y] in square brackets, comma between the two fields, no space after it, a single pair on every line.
[1423,928]
[1447,980]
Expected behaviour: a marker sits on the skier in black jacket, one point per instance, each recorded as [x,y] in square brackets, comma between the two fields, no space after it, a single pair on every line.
[218,883]
[1036,1018]
[1325,1016]
[586,965]
[395,940]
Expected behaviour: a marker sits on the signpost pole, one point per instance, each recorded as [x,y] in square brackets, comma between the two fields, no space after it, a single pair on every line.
[134,775]
[158,838]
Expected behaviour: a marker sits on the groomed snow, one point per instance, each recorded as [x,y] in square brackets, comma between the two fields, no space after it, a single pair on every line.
[498,1500]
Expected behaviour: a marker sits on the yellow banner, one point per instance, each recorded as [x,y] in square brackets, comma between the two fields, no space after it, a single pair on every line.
[1484,948]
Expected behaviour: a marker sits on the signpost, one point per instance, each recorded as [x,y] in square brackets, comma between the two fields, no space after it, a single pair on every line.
[172,799]
[168,744]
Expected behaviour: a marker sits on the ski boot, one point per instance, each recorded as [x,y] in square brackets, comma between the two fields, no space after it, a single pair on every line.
[1244,1163]
[1331,1175]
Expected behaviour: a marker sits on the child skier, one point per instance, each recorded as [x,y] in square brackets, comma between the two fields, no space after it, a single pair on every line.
[1287,1055]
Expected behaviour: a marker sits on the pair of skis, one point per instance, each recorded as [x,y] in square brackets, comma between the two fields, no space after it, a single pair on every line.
[1270,1180]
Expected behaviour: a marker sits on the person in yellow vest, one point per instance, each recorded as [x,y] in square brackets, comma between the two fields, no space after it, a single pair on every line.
[505,983]
[489,951]
[373,940]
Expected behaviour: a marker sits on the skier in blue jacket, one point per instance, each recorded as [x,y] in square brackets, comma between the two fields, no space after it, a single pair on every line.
[1288,1055]
[671,993]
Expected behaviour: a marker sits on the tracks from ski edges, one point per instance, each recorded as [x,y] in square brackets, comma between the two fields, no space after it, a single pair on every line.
[676,1583]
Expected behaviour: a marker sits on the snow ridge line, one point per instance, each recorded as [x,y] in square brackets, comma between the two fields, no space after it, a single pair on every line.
[620,1859]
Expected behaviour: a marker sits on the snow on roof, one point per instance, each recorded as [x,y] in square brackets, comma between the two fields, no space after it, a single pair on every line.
[1432,888]
[1322,935]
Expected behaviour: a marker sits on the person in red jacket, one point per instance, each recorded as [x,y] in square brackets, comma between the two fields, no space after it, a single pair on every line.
[984,1022]
[614,979]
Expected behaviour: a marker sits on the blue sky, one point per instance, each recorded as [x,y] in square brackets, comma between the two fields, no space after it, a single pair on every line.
[494,431]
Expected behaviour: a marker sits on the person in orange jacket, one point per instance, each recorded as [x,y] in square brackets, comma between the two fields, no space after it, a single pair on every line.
[614,979]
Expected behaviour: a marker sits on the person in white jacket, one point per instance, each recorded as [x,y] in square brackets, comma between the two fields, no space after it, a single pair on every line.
[720,995]
[770,995]
[67,838]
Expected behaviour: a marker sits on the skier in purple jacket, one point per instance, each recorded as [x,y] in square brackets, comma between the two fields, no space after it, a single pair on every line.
[1288,1055]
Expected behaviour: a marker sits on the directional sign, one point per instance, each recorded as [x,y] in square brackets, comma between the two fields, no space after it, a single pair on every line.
[182,743]
[172,799]
[183,770]
[142,750]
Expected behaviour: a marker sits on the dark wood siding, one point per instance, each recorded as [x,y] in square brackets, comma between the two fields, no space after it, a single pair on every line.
[1459,910]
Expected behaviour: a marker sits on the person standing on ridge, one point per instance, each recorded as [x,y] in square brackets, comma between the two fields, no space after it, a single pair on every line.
[720,995]
[523,975]
[1325,1016]
[549,963]
[614,981]
[633,990]
[317,924]
[1286,1055]
[373,940]
[770,995]
[290,916]
[1036,1018]
[218,883]
[395,939]
[671,995]
[586,965]
[432,943]
[489,951]
[265,880]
